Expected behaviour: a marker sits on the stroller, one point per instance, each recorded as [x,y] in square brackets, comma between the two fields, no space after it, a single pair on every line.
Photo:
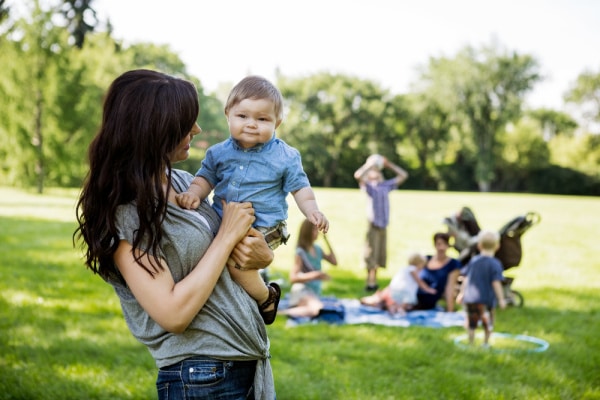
[464,228]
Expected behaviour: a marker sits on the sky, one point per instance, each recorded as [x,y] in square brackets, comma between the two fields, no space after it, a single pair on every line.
[385,41]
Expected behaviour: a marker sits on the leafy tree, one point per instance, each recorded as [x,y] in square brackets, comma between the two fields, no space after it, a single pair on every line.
[585,93]
[4,11]
[554,122]
[486,88]
[36,45]
[522,150]
[580,153]
[426,127]
[81,19]
[336,121]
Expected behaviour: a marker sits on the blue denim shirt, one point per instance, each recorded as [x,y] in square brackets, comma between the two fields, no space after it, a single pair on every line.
[262,175]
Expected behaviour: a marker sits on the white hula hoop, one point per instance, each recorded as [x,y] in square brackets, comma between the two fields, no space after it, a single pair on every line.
[542,345]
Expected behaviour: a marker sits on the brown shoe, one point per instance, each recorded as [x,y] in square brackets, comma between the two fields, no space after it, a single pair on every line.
[274,296]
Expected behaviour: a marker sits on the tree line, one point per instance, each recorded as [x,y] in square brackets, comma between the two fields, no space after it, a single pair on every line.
[462,126]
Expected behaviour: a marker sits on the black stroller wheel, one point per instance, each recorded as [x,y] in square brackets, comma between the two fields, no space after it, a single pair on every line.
[515,299]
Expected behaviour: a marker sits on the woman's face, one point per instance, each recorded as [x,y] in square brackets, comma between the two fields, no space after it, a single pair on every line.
[182,151]
[441,245]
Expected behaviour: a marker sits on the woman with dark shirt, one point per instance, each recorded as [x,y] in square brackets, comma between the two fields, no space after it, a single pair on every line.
[440,273]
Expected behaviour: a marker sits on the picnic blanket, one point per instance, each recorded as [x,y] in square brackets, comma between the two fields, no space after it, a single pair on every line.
[350,311]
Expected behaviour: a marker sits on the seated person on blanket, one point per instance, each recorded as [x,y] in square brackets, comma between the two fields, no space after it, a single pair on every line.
[441,273]
[400,295]
[306,275]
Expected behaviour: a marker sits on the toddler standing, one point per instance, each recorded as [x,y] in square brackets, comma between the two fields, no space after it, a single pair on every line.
[482,287]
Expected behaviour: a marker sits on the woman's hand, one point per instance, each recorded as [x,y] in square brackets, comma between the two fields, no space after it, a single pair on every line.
[237,220]
[252,252]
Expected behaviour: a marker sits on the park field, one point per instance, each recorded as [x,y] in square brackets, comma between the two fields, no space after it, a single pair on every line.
[62,335]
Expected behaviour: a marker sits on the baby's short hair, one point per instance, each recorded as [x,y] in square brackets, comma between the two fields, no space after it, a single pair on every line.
[488,240]
[416,259]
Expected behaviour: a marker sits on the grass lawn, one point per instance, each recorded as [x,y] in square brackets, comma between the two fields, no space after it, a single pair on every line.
[62,335]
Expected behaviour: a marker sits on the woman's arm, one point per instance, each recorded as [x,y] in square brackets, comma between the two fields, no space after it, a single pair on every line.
[330,256]
[450,289]
[297,276]
[421,283]
[174,305]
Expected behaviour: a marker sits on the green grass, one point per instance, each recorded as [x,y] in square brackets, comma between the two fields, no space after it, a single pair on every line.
[62,334]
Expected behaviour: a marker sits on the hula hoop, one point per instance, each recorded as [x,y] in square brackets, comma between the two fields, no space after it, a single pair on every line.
[542,345]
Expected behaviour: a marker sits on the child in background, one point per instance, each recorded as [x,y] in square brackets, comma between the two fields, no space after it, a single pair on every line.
[482,287]
[401,294]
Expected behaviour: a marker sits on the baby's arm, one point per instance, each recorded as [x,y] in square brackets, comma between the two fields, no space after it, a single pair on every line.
[252,282]
[249,276]
[198,191]
[307,203]
[497,285]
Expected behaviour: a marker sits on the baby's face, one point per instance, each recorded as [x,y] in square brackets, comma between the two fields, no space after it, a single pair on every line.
[252,121]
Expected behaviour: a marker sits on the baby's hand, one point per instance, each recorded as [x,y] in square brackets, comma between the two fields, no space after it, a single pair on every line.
[320,221]
[187,200]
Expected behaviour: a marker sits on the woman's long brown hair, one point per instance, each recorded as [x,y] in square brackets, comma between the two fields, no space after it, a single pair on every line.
[146,115]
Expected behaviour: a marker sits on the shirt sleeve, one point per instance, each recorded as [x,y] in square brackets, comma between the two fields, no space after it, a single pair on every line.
[208,168]
[128,224]
[294,178]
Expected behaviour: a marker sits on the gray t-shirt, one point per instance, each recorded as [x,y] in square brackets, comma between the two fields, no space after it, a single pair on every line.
[228,327]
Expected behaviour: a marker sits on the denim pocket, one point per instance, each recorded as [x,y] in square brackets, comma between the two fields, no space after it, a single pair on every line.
[203,372]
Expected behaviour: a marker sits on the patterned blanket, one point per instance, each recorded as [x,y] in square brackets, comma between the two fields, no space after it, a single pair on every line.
[350,311]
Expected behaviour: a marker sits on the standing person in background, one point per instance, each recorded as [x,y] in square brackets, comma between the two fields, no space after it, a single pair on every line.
[481,289]
[370,179]
[440,273]
[307,275]
[166,264]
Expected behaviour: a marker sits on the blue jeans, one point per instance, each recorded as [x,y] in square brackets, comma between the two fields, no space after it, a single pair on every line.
[206,378]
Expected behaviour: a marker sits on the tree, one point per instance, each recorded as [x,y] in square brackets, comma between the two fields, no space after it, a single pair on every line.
[553,122]
[485,88]
[4,11]
[585,93]
[81,19]
[522,151]
[336,121]
[426,127]
[36,45]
